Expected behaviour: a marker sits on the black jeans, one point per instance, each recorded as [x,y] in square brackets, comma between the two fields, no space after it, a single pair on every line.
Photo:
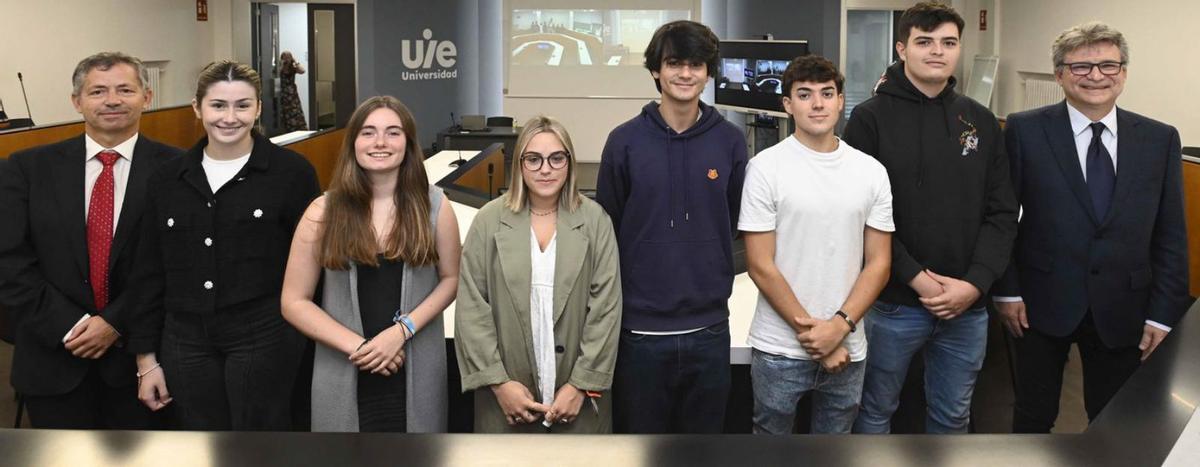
[672,384]
[1039,364]
[231,371]
[92,405]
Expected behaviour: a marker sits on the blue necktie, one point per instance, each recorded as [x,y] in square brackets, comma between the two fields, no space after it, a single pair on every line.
[1100,174]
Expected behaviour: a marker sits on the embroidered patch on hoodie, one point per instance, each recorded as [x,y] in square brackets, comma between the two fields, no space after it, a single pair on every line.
[969,139]
[712,174]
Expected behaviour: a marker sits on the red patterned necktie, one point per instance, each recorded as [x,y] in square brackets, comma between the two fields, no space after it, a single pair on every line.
[100,228]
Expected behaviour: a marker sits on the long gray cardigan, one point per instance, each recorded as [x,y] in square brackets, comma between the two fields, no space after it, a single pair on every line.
[335,379]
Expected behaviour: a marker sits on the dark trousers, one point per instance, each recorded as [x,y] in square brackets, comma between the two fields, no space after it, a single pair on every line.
[231,371]
[672,384]
[92,405]
[1039,365]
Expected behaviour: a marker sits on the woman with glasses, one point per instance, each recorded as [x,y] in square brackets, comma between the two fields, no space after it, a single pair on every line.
[539,299]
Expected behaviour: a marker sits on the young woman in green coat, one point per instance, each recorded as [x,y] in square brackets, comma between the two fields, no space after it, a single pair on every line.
[539,301]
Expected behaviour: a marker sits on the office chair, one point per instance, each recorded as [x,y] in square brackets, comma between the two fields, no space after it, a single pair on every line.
[500,122]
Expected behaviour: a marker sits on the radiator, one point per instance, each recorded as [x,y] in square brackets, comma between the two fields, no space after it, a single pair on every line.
[1041,92]
[156,86]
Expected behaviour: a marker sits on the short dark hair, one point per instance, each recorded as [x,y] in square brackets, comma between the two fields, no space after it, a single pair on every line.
[811,69]
[682,40]
[927,16]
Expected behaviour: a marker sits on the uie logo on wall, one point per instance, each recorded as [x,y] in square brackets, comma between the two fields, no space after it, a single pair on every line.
[420,55]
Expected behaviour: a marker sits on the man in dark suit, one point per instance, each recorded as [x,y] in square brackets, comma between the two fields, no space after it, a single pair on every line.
[71,212]
[1101,255]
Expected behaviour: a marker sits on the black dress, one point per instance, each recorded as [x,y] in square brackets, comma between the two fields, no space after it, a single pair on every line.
[293,110]
[381,399]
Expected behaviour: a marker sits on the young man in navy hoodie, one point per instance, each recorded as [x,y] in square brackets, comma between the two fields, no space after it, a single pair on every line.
[671,180]
[955,218]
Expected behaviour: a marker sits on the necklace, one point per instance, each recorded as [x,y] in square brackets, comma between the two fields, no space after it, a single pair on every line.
[541,214]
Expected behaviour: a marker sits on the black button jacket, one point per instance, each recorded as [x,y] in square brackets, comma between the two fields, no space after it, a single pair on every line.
[205,252]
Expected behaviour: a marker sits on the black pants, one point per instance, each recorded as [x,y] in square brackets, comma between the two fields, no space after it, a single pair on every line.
[231,371]
[92,405]
[672,384]
[1039,364]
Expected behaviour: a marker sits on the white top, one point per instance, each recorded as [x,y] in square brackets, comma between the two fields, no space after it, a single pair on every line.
[541,311]
[221,172]
[93,167]
[818,205]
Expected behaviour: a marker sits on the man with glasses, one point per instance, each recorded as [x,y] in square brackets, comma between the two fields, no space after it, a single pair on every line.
[1101,255]
[671,180]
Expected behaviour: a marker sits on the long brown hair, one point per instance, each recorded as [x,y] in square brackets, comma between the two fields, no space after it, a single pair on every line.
[348,235]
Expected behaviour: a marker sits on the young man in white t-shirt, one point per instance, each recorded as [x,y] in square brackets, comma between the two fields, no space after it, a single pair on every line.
[817,220]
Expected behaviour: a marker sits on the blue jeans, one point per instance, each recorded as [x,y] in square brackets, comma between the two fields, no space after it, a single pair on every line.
[954,352]
[779,383]
[672,384]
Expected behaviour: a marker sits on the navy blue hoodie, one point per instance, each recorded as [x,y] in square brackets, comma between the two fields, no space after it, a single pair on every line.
[673,199]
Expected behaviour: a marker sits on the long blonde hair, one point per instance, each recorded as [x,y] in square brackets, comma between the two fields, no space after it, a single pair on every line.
[516,198]
[348,235]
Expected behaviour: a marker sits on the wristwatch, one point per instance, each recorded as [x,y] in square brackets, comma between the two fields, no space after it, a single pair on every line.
[848,320]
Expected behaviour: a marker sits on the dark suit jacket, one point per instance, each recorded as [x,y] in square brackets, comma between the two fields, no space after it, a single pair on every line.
[44,261]
[1128,267]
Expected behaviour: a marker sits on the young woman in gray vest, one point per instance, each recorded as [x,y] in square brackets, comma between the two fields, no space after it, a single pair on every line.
[387,243]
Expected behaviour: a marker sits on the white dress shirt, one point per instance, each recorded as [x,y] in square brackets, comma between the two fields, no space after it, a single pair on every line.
[93,167]
[1081,128]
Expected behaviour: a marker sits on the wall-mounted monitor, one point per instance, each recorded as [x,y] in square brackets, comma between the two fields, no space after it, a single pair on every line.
[750,78]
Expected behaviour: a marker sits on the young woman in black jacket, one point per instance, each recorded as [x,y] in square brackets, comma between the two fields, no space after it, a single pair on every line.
[216,234]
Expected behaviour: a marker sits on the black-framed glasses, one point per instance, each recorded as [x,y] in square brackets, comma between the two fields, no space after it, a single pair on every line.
[532,161]
[1085,68]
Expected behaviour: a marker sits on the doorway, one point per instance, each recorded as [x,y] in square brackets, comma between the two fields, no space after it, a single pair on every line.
[264,29]
[332,77]
[870,49]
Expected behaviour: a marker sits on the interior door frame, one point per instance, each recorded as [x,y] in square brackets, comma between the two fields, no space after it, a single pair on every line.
[345,92]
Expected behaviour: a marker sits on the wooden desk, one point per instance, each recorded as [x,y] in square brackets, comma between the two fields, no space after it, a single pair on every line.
[1191,205]
[173,126]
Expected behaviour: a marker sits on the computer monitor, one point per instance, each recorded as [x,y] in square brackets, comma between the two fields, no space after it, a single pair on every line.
[750,78]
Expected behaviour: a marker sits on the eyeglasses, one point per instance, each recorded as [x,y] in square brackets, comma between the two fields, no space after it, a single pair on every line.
[1085,68]
[532,161]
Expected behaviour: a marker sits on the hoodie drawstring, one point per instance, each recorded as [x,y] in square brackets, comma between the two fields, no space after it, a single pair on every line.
[686,176]
[920,143]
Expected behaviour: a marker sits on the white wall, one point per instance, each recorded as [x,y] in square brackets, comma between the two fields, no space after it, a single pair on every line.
[974,41]
[293,37]
[1163,64]
[47,39]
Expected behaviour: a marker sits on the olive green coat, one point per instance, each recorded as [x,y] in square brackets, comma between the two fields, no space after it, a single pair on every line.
[492,332]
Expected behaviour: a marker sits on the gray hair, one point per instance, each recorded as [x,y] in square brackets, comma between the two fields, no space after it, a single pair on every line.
[103,61]
[1086,34]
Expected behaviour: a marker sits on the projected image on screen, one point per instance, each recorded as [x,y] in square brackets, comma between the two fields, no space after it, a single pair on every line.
[765,76]
[585,37]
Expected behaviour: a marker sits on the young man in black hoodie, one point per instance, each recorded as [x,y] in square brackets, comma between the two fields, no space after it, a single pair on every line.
[671,180]
[955,217]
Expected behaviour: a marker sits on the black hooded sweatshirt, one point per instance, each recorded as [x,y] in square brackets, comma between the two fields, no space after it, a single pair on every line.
[953,204]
